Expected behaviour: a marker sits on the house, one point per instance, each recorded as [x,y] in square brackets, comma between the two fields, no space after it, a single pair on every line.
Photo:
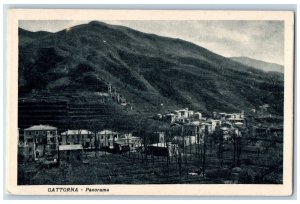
[191,129]
[189,134]
[238,124]
[103,94]
[236,117]
[190,113]
[83,137]
[214,115]
[128,142]
[107,138]
[157,137]
[123,101]
[227,124]
[222,116]
[170,117]
[207,127]
[214,124]
[70,152]
[182,113]
[197,115]
[185,140]
[42,142]
[236,120]
[242,115]
[162,149]
[158,116]
[182,120]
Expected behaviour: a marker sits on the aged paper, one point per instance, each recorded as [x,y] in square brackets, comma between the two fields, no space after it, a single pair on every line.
[191,180]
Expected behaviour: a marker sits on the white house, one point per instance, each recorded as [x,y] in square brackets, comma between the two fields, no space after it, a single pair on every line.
[106,138]
[83,137]
[42,142]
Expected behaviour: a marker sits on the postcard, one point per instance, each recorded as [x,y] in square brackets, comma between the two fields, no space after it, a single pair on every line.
[149,102]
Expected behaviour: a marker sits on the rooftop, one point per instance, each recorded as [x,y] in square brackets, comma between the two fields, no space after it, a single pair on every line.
[161,144]
[107,132]
[77,132]
[70,147]
[41,127]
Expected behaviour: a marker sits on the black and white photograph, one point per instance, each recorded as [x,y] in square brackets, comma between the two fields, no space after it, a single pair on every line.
[138,102]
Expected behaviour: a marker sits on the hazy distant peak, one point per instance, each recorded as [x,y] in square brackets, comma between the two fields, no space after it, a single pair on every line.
[259,64]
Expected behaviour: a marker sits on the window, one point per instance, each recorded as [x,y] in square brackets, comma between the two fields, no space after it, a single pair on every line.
[108,143]
[30,140]
[29,133]
[36,132]
[102,137]
[108,136]
[30,149]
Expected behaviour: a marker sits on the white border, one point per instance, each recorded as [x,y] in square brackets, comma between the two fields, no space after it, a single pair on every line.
[284,189]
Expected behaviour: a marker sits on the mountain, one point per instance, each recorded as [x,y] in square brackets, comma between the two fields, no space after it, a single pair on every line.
[26,37]
[258,64]
[154,73]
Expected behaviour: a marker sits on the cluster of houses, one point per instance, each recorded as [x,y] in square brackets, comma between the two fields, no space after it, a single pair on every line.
[185,116]
[43,142]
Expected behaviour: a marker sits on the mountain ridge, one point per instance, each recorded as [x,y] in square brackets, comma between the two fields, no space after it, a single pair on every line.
[147,69]
[259,64]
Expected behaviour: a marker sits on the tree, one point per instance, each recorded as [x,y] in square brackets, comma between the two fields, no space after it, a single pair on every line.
[204,150]
[218,138]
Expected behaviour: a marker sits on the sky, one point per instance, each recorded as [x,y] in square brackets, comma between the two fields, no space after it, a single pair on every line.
[261,40]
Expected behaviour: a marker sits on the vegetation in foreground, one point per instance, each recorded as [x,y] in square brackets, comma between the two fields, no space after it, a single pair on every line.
[258,164]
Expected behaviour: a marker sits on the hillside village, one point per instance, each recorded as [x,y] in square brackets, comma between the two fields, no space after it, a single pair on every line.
[189,138]
[188,133]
